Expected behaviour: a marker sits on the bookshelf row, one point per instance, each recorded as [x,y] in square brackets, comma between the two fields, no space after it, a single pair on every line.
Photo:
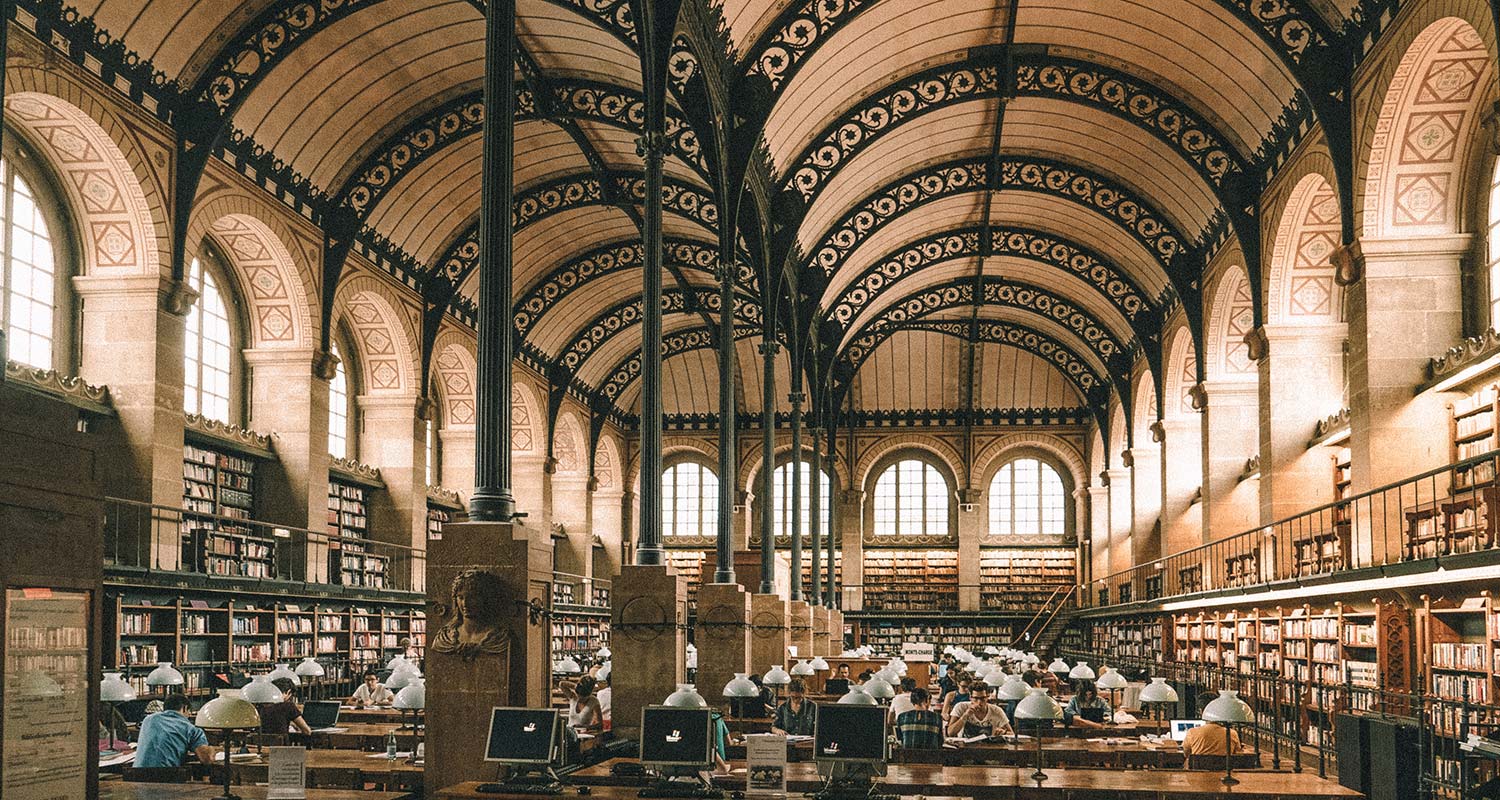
[1022,579]
[887,635]
[204,634]
[911,580]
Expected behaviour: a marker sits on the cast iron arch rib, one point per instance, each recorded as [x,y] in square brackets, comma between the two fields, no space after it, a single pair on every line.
[625,373]
[886,274]
[622,315]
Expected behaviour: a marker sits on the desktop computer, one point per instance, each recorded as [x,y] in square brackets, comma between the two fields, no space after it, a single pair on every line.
[849,746]
[529,741]
[677,745]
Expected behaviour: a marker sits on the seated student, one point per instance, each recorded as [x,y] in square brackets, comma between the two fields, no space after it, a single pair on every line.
[839,683]
[865,676]
[1087,709]
[167,737]
[372,693]
[901,703]
[921,728]
[604,695]
[585,714]
[795,716]
[959,694]
[286,716]
[978,716]
[1208,739]
[721,742]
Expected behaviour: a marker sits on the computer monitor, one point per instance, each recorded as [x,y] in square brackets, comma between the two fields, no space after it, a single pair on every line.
[836,686]
[674,737]
[849,734]
[523,736]
[1180,727]
[321,714]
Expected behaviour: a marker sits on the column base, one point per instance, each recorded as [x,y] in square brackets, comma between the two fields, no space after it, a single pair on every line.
[722,636]
[648,642]
[768,632]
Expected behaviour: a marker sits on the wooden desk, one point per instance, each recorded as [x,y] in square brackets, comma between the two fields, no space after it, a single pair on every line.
[349,714]
[1066,752]
[366,736]
[373,767]
[126,790]
[749,724]
[1007,783]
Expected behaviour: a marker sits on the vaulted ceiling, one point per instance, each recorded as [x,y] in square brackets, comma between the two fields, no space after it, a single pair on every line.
[1009,193]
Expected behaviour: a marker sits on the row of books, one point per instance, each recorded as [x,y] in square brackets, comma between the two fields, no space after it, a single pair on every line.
[1458,655]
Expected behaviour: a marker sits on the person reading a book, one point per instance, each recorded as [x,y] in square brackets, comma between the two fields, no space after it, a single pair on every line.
[795,716]
[978,716]
[1087,709]
[959,694]
[168,737]
[372,693]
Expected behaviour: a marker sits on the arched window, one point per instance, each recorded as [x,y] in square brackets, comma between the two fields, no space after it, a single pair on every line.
[782,479]
[1027,498]
[207,349]
[29,288]
[911,499]
[689,500]
[338,408]
[1492,246]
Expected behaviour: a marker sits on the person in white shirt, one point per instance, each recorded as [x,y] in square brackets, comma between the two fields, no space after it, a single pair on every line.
[978,716]
[901,703]
[372,693]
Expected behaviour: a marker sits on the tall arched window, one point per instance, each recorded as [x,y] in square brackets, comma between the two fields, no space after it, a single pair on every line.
[1492,246]
[911,499]
[207,349]
[689,500]
[28,277]
[1027,498]
[338,408]
[782,479]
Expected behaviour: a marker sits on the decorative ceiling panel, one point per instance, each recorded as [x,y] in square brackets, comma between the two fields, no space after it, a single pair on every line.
[566,43]
[562,321]
[176,36]
[617,147]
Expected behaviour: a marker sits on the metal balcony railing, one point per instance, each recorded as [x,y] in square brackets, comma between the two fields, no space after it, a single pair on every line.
[1440,517]
[152,538]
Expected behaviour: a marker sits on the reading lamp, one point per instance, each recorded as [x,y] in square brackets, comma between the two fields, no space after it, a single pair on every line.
[776,678]
[1112,681]
[739,689]
[1228,709]
[228,713]
[687,696]
[163,675]
[283,671]
[1158,693]
[802,669]
[114,689]
[261,692]
[412,698]
[1042,710]
[1081,672]
[857,696]
[310,670]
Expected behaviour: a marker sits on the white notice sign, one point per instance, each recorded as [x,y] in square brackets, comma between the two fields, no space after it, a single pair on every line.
[287,774]
[47,743]
[765,764]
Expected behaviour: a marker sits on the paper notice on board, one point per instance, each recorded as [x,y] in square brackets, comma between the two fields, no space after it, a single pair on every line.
[47,745]
[765,764]
[286,773]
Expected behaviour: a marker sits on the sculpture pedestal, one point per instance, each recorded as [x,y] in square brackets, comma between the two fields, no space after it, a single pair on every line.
[723,637]
[648,642]
[504,567]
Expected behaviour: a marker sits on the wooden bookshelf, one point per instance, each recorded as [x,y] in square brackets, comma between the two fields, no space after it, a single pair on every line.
[838,571]
[887,634]
[689,566]
[437,517]
[1022,579]
[1141,638]
[350,561]
[1328,549]
[911,580]
[221,484]
[207,637]
[1471,429]
[580,635]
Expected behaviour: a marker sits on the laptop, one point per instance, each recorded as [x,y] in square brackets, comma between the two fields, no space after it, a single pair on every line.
[1094,715]
[1180,727]
[836,686]
[321,715]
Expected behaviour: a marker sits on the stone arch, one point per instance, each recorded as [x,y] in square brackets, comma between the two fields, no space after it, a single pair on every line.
[1422,149]
[568,445]
[934,446]
[607,464]
[676,446]
[1181,374]
[749,467]
[1118,439]
[120,231]
[1144,409]
[455,369]
[383,337]
[1301,287]
[1231,317]
[524,418]
[994,455]
[279,295]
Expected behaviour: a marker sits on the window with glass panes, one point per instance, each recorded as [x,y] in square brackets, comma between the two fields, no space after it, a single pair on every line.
[28,278]
[338,409]
[1492,246]
[1027,498]
[782,480]
[911,499]
[689,500]
[207,349]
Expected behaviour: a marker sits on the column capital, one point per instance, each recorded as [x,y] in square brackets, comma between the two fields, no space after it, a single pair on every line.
[1229,391]
[1137,454]
[1098,492]
[769,349]
[651,145]
[797,398]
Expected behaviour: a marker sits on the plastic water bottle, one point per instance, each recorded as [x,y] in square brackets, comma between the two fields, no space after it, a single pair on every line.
[390,745]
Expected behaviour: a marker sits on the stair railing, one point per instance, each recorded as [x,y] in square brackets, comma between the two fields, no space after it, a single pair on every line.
[1044,615]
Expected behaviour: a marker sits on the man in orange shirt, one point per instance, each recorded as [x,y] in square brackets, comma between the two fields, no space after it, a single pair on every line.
[1208,739]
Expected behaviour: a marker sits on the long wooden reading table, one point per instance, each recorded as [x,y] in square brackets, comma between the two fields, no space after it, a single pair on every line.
[129,790]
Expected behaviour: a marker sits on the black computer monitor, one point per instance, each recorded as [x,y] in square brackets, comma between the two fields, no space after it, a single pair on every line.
[523,736]
[836,686]
[321,713]
[1094,715]
[677,737]
[849,734]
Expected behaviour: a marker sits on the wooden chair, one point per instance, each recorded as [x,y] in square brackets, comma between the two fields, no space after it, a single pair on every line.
[158,774]
[335,779]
